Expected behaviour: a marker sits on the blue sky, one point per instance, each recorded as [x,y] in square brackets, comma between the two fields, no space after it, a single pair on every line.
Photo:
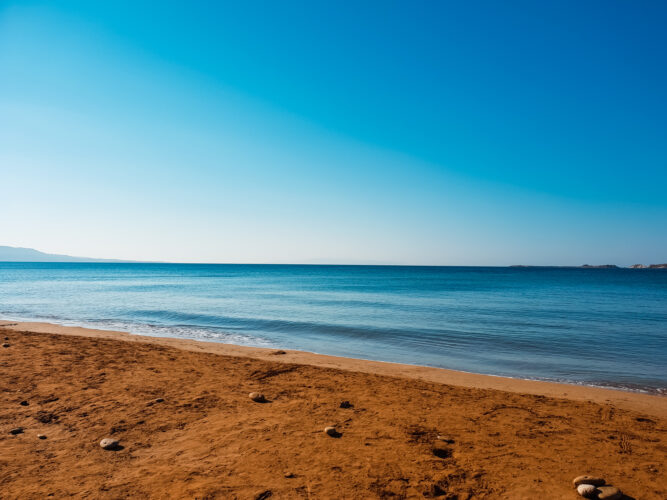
[447,133]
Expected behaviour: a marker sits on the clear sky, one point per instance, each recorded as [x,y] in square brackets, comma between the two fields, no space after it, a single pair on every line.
[452,133]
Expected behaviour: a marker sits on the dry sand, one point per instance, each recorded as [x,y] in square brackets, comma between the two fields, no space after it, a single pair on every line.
[507,438]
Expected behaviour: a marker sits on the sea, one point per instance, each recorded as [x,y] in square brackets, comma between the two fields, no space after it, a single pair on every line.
[597,327]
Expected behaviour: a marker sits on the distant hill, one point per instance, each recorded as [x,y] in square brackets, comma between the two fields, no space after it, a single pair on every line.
[18,254]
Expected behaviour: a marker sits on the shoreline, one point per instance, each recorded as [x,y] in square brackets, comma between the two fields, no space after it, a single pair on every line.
[653,404]
[569,383]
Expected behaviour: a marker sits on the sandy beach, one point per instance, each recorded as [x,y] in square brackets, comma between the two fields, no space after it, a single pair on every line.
[188,429]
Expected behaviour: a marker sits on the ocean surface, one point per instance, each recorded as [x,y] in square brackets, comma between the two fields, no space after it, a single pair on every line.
[603,327]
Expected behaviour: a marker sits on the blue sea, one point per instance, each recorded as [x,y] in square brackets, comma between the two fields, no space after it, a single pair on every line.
[602,327]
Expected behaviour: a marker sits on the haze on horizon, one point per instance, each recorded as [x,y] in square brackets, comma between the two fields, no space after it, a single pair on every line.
[471,133]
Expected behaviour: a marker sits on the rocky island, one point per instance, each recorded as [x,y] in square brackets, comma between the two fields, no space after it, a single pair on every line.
[600,266]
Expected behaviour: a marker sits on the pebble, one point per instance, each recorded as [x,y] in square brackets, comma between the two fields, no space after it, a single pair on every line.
[257,397]
[109,444]
[17,430]
[595,481]
[290,475]
[447,440]
[41,436]
[586,490]
[24,403]
[331,431]
[158,400]
[5,344]
[345,404]
[609,493]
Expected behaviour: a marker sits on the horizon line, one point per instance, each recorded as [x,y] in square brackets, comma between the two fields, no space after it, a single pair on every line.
[120,261]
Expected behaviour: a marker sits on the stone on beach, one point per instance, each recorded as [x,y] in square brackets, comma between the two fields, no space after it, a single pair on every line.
[257,397]
[6,344]
[609,493]
[41,436]
[595,481]
[587,490]
[16,430]
[345,404]
[331,431]
[109,444]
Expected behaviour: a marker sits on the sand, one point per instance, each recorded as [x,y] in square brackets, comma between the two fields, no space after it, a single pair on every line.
[506,438]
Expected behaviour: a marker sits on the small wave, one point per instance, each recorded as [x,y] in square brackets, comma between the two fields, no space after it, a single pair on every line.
[175,331]
[182,331]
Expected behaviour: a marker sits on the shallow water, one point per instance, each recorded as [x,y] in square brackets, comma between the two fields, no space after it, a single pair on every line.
[603,327]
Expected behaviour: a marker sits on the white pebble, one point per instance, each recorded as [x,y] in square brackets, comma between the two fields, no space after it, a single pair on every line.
[257,397]
[109,444]
[586,490]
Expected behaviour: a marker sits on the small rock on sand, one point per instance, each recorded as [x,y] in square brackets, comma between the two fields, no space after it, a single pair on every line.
[447,440]
[609,493]
[109,444]
[5,344]
[24,403]
[289,475]
[595,481]
[16,430]
[587,490]
[41,436]
[331,431]
[257,397]
[345,404]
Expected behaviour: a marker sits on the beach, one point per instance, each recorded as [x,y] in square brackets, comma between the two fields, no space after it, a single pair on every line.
[331,251]
[187,428]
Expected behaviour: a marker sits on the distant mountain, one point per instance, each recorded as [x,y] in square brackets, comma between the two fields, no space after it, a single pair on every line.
[18,254]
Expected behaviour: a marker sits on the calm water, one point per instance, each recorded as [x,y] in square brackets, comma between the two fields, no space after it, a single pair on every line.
[599,327]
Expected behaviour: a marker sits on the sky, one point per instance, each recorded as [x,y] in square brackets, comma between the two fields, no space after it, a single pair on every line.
[420,133]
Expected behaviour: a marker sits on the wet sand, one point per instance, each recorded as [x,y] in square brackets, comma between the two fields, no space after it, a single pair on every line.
[505,438]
